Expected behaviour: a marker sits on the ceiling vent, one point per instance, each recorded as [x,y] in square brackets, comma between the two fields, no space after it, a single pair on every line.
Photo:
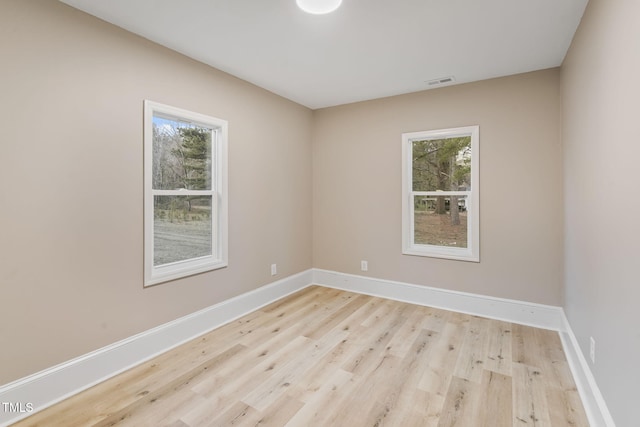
[441,81]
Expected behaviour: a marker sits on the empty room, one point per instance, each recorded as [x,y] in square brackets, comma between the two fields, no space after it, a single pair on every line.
[319,213]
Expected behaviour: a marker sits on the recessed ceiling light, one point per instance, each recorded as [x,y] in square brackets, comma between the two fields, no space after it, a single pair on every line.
[318,7]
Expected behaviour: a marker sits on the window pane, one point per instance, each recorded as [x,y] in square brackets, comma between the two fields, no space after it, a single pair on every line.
[440,221]
[442,164]
[181,155]
[182,228]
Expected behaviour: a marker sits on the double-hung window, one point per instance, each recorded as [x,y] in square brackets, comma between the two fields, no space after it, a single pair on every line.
[185,193]
[440,197]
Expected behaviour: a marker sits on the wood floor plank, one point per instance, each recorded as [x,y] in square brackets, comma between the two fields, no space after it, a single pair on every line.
[336,317]
[316,376]
[435,319]
[530,406]
[289,373]
[471,358]
[498,357]
[281,412]
[401,391]
[384,309]
[321,405]
[237,414]
[168,388]
[166,410]
[367,394]
[228,388]
[404,338]
[372,342]
[444,356]
[565,408]
[424,412]
[526,346]
[113,400]
[497,411]
[300,299]
[326,357]
[462,404]
[296,319]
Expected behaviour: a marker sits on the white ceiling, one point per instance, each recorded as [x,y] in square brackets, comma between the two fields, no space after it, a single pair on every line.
[366,49]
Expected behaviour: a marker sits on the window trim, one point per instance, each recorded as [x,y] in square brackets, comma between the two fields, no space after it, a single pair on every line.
[219,197]
[409,247]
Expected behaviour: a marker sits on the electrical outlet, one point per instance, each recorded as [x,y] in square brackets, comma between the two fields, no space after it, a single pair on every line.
[592,350]
[364,265]
[274,269]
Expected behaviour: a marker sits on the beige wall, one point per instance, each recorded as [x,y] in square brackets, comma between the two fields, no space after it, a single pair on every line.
[357,186]
[71,244]
[600,95]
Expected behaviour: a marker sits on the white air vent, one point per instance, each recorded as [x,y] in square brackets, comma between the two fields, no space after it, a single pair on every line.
[441,81]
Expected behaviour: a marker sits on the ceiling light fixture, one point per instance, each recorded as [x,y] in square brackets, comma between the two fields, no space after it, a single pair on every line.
[318,7]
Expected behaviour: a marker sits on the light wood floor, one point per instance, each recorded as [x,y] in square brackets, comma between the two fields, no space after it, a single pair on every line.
[324,357]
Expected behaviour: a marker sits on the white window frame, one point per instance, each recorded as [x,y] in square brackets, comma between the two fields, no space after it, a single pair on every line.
[219,224]
[409,246]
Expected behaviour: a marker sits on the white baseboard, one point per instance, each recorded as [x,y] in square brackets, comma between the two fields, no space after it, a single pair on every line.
[594,404]
[52,385]
[525,313]
[55,384]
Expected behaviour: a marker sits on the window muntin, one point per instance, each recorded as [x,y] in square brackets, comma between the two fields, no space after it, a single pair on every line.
[440,193]
[185,193]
